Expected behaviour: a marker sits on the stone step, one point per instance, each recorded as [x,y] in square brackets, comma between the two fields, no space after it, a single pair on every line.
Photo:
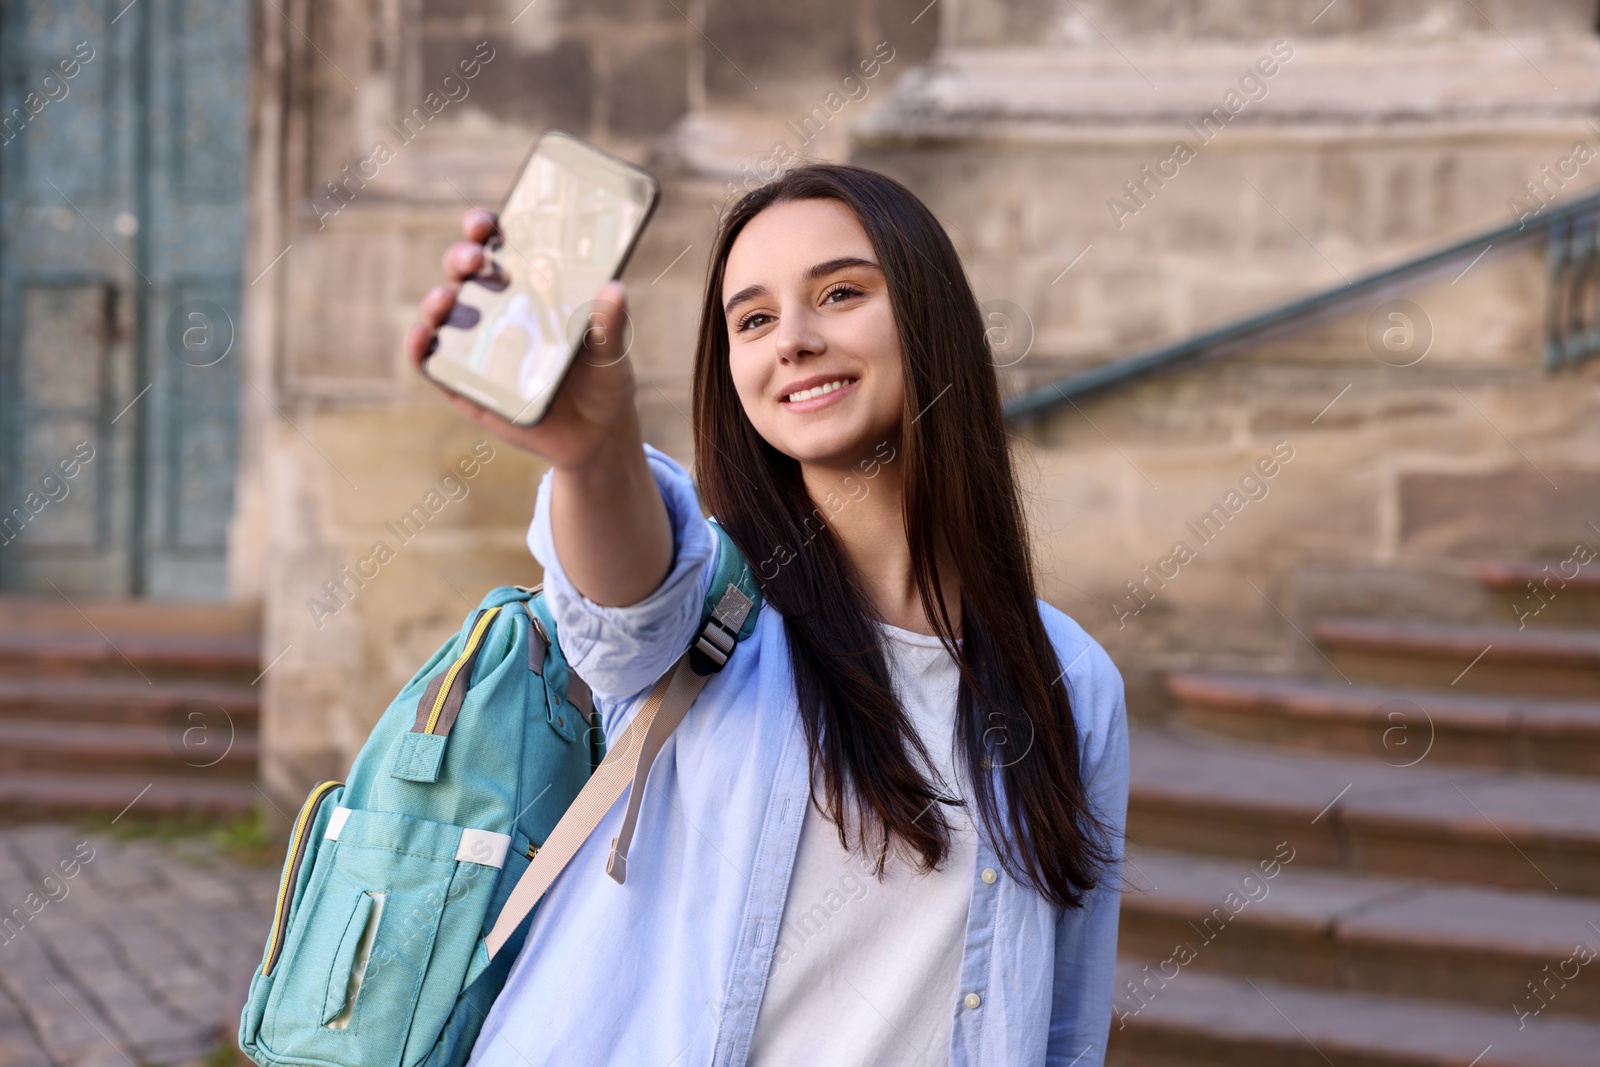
[1397,725]
[1232,798]
[1515,574]
[208,748]
[1552,578]
[55,698]
[1530,661]
[34,794]
[1539,594]
[58,614]
[1213,1020]
[132,656]
[1363,933]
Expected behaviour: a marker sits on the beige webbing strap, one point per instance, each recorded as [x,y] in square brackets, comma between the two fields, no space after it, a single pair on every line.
[628,761]
[683,686]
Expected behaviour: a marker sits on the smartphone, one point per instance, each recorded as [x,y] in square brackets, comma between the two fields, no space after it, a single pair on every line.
[566,228]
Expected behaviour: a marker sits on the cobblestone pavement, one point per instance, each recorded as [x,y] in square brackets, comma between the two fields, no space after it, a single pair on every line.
[122,953]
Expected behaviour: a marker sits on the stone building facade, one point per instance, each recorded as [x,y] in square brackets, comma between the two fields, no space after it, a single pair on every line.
[371,139]
[1115,175]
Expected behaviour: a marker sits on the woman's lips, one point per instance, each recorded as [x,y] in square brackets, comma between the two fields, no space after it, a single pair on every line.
[816,403]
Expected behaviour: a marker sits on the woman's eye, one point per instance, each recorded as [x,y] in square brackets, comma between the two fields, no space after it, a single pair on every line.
[845,290]
[752,321]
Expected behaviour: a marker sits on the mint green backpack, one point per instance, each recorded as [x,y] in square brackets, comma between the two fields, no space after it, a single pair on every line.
[405,890]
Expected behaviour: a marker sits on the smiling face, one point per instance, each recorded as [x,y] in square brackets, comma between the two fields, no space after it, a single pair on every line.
[812,344]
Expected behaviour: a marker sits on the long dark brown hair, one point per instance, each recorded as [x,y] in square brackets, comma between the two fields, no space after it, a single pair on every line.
[1013,711]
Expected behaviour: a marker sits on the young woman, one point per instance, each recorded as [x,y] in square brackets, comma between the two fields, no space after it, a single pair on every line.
[889,831]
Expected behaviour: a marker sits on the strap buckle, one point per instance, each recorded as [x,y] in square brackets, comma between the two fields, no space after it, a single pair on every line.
[711,649]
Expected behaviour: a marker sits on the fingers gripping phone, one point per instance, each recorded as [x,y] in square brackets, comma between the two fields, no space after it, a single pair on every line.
[567,227]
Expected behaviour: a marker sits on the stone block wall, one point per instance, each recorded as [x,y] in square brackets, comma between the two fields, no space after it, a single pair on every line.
[376,126]
[1384,130]
[1119,176]
[1385,481]
[1118,216]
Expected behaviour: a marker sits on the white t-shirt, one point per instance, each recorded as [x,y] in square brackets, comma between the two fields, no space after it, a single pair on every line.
[866,972]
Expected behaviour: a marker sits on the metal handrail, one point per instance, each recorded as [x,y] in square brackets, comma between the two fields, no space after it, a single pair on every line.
[1573,317]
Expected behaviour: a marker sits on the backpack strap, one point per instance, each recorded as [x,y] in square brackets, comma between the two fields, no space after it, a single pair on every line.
[720,629]
[728,617]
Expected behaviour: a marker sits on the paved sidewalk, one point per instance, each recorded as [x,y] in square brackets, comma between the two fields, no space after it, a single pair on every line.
[122,954]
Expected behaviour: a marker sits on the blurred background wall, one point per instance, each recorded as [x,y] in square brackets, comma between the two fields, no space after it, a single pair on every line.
[701,94]
[1321,143]
[1296,302]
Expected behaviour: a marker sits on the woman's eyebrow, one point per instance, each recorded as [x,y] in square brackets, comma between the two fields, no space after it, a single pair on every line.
[823,269]
[813,272]
[749,292]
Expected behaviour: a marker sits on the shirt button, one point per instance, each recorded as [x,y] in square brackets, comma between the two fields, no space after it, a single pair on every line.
[972,1000]
[989,875]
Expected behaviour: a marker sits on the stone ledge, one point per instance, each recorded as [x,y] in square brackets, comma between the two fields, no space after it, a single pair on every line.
[1327,89]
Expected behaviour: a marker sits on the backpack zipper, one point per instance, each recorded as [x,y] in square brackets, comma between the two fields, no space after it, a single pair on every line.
[473,640]
[291,872]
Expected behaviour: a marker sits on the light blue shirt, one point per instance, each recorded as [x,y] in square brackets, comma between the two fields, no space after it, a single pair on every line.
[668,969]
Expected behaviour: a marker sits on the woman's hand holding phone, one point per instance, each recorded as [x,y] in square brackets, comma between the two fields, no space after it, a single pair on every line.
[609,520]
[594,406]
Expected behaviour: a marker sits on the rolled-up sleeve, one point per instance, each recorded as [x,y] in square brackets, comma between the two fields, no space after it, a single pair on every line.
[621,650]
[1086,937]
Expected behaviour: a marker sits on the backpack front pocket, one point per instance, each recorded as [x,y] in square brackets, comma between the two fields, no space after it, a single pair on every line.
[370,969]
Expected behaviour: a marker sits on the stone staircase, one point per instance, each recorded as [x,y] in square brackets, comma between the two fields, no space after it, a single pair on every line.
[135,705]
[1393,861]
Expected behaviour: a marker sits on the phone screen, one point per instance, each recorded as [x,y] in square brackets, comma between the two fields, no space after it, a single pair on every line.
[565,229]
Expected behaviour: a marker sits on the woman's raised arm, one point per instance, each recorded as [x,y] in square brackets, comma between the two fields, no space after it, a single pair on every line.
[607,515]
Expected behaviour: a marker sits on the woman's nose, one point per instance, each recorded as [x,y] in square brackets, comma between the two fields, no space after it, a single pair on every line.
[798,336]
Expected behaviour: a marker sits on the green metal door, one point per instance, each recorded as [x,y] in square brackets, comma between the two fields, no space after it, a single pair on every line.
[122,161]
